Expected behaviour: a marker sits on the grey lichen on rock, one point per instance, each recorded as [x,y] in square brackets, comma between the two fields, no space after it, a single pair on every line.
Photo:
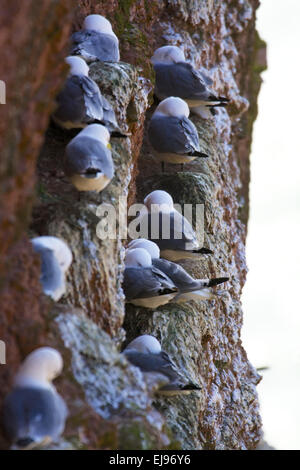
[115,389]
[110,384]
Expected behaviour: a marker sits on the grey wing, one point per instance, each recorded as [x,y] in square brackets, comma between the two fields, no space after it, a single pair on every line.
[84,154]
[173,135]
[191,134]
[182,226]
[33,413]
[92,98]
[70,102]
[95,45]
[208,81]
[109,117]
[181,80]
[79,101]
[52,276]
[177,274]
[148,362]
[145,282]
[168,231]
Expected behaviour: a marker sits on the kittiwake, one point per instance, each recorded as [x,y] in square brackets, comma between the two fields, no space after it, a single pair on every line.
[145,353]
[189,288]
[143,284]
[34,413]
[88,160]
[80,102]
[163,224]
[56,258]
[96,40]
[173,137]
[176,77]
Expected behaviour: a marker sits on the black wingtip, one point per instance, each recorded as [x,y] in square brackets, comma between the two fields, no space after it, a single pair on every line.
[217,281]
[191,387]
[168,291]
[199,154]
[119,135]
[223,99]
[24,442]
[219,105]
[204,251]
[115,133]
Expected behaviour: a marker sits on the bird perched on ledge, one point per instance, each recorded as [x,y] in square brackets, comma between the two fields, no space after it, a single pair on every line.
[173,137]
[56,258]
[189,288]
[176,77]
[145,353]
[88,160]
[163,224]
[143,284]
[34,413]
[96,41]
[81,103]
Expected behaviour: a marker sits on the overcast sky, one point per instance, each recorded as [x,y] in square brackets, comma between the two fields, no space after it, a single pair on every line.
[271,331]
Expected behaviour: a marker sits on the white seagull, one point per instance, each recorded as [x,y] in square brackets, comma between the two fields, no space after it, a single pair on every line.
[96,41]
[88,160]
[173,137]
[56,258]
[143,284]
[163,224]
[145,353]
[176,77]
[80,102]
[189,288]
[34,414]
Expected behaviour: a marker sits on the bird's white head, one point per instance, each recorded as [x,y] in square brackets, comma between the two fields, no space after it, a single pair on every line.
[61,250]
[98,23]
[96,131]
[137,258]
[160,201]
[168,55]
[145,344]
[148,245]
[173,106]
[77,66]
[41,367]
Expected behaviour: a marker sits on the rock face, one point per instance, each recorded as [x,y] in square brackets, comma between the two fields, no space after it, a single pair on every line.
[111,405]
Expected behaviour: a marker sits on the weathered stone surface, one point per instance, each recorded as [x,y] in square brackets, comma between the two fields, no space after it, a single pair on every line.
[96,273]
[33,40]
[110,401]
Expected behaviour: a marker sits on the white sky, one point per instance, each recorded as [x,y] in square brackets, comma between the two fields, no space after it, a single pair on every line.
[271,331]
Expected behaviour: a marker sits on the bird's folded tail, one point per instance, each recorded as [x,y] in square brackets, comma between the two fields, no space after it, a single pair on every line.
[114,131]
[216,281]
[27,443]
[168,291]
[195,153]
[178,389]
[221,99]
[91,172]
[203,251]
[119,134]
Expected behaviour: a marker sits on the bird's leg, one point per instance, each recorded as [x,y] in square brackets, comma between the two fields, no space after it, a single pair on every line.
[163,167]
